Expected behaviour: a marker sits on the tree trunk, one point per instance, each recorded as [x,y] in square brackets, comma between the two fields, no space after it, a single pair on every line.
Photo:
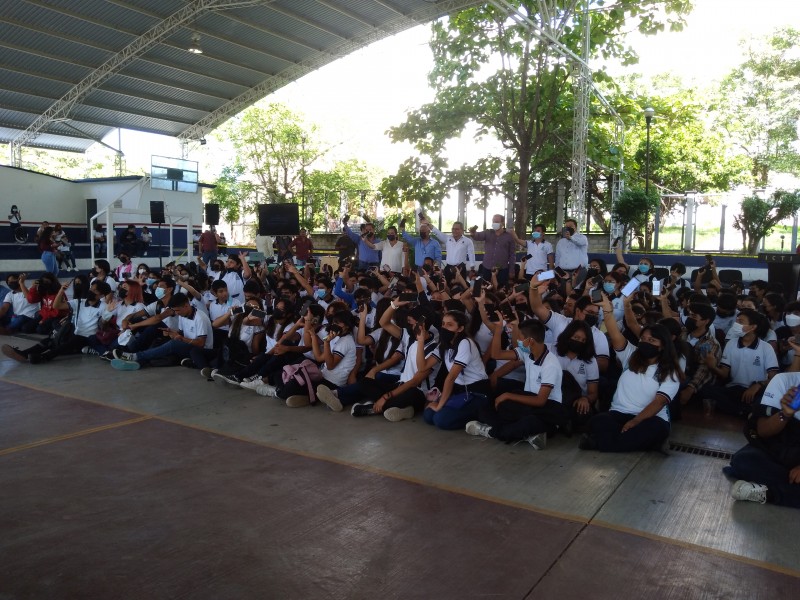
[522,194]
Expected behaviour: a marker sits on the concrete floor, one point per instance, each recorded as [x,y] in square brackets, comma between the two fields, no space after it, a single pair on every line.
[94,464]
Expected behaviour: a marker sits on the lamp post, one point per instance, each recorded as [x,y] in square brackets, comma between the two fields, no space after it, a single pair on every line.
[648,117]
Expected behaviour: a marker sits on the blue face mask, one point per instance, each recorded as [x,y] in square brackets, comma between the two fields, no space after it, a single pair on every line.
[160,293]
[536,235]
[150,281]
[522,347]
[644,268]
[608,288]
[320,293]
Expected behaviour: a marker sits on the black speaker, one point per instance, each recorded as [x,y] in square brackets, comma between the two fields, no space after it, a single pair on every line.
[278,219]
[175,174]
[157,211]
[212,214]
[91,210]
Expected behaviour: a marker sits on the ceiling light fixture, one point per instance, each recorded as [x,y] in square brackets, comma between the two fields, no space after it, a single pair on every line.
[194,47]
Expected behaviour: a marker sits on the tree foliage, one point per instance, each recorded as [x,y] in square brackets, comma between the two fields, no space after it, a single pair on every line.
[758,216]
[635,209]
[759,105]
[494,79]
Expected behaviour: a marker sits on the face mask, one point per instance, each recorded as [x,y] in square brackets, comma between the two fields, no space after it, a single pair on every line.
[93,273]
[122,293]
[91,296]
[536,235]
[590,320]
[522,347]
[648,350]
[691,324]
[792,320]
[150,281]
[124,260]
[278,313]
[608,288]
[644,268]
[320,294]
[736,330]
[496,226]
[446,337]
[14,285]
[570,230]
[574,346]
[142,271]
[391,237]
[160,293]
[424,235]
[335,330]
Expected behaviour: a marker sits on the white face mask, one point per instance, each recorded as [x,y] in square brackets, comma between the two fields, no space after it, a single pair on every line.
[736,330]
[496,226]
[792,320]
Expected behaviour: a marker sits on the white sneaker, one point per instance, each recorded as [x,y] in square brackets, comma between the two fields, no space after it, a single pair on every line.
[265,389]
[90,351]
[328,397]
[478,428]
[297,401]
[751,492]
[251,383]
[131,356]
[395,414]
[538,441]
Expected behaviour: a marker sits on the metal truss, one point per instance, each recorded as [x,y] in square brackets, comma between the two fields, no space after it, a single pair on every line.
[64,105]
[214,119]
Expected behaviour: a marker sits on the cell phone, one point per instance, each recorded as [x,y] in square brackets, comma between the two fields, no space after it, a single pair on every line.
[126,275]
[237,310]
[258,313]
[523,287]
[545,275]
[560,272]
[596,296]
[528,257]
[597,280]
[476,287]
[795,403]
[591,272]
[493,316]
[709,259]
[409,297]
[656,287]
[508,313]
[392,283]
[631,287]
[304,308]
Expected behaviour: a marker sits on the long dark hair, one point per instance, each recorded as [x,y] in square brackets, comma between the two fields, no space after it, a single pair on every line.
[667,364]
[462,320]
[387,344]
[587,352]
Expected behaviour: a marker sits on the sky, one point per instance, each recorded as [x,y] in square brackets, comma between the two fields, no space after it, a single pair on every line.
[356,99]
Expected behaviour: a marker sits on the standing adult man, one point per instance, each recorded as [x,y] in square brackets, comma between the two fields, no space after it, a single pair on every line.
[209,246]
[460,249]
[367,257]
[498,250]
[424,245]
[541,252]
[572,248]
[302,246]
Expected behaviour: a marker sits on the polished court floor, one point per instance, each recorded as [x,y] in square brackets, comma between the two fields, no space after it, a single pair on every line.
[158,484]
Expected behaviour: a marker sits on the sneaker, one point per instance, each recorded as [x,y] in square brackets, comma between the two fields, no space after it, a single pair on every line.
[395,414]
[109,355]
[125,365]
[14,353]
[130,356]
[206,372]
[90,351]
[221,379]
[478,428]
[267,390]
[587,442]
[328,397]
[362,409]
[117,353]
[252,382]
[538,441]
[751,492]
[297,401]
[188,363]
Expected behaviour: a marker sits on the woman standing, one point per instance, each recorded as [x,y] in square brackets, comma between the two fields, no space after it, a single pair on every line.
[48,247]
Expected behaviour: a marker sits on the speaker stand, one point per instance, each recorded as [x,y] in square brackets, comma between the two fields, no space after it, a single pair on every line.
[160,252]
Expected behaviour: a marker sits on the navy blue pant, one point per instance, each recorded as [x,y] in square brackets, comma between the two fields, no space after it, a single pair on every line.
[512,421]
[607,430]
[753,464]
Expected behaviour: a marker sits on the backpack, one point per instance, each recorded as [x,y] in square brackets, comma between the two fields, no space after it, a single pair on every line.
[306,372]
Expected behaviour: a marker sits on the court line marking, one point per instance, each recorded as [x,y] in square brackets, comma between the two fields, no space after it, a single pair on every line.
[414,480]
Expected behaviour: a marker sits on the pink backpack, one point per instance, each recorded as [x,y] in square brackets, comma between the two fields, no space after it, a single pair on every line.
[306,372]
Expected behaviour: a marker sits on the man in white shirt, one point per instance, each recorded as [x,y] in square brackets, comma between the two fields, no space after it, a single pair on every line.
[391,250]
[460,249]
[189,341]
[572,248]
[540,251]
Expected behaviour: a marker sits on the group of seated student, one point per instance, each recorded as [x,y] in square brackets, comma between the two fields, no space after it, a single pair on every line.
[538,357]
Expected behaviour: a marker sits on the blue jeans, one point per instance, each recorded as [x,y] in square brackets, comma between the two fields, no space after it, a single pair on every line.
[172,348]
[208,257]
[50,263]
[752,464]
[22,323]
[455,418]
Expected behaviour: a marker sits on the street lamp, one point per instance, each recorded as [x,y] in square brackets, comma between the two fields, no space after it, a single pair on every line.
[648,117]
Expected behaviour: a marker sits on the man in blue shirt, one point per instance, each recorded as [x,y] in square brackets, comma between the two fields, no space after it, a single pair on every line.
[424,245]
[367,257]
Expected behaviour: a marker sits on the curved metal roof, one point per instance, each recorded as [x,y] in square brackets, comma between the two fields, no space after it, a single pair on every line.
[73,70]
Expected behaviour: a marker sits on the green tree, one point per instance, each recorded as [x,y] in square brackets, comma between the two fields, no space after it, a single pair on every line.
[351,183]
[496,80]
[758,217]
[759,104]
[635,209]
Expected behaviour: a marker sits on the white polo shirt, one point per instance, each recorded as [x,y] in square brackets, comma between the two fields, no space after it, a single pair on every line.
[86,318]
[636,390]
[544,371]
[391,255]
[584,372]
[748,363]
[461,250]
[468,357]
[556,325]
[197,326]
[395,369]
[344,346]
[410,368]
[20,307]
[778,386]
[539,256]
